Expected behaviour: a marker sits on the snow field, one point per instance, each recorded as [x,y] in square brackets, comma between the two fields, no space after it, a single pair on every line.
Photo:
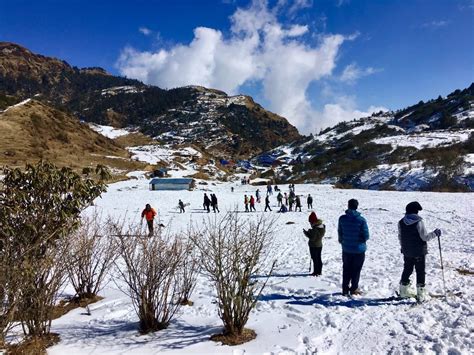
[300,314]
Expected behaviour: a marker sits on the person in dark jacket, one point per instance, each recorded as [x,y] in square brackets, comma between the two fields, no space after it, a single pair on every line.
[309,201]
[207,203]
[353,234]
[181,206]
[267,203]
[214,205]
[246,203]
[279,199]
[297,202]
[413,236]
[315,242]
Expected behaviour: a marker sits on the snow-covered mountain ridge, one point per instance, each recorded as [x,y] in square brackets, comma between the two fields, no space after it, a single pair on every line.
[423,147]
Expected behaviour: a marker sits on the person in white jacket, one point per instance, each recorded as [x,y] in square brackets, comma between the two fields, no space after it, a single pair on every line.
[413,236]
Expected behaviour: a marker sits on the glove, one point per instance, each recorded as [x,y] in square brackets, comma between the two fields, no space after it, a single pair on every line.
[437,232]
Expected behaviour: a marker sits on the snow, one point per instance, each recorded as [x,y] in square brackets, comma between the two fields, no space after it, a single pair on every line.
[427,139]
[109,131]
[299,314]
[17,105]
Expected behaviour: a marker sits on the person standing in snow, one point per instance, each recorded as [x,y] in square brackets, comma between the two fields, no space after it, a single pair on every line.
[252,204]
[214,203]
[353,234]
[207,203]
[257,195]
[298,202]
[413,236]
[286,199]
[291,201]
[267,203]
[149,214]
[279,198]
[315,242]
[246,202]
[309,201]
[269,189]
[181,206]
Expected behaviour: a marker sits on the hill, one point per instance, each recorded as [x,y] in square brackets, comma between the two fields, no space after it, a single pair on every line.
[428,146]
[223,125]
[31,130]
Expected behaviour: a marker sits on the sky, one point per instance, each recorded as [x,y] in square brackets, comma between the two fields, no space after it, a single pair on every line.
[316,62]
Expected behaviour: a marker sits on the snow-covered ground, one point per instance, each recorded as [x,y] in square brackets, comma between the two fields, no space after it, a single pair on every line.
[300,314]
[426,139]
[109,131]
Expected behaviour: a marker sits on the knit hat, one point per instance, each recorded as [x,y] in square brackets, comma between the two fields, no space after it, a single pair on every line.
[413,207]
[353,204]
[312,218]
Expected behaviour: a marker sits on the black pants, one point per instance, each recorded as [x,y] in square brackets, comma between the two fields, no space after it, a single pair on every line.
[267,206]
[150,227]
[413,262]
[310,206]
[252,207]
[316,257]
[351,267]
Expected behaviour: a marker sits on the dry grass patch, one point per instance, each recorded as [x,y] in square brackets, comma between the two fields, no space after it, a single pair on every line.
[235,339]
[67,305]
[34,345]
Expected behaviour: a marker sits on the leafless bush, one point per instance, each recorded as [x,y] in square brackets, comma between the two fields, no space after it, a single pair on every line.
[8,290]
[154,270]
[90,257]
[232,252]
[40,282]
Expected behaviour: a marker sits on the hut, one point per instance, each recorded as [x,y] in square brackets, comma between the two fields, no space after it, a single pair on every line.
[172,184]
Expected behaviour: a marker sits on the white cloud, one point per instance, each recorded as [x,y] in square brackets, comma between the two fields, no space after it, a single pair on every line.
[345,109]
[435,24]
[259,49]
[353,72]
[145,31]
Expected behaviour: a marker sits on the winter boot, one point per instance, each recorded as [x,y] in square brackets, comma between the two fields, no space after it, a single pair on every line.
[420,293]
[405,291]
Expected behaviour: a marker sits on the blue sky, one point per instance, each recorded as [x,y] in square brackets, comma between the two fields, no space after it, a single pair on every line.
[316,62]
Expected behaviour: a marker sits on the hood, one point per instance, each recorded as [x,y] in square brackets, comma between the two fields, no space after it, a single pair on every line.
[317,224]
[410,219]
[352,213]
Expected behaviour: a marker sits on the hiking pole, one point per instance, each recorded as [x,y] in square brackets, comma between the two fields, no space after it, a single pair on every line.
[442,266]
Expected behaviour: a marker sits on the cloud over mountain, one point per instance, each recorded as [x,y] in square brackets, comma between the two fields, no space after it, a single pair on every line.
[285,58]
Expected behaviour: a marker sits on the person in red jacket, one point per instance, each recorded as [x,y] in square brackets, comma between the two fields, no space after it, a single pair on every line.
[252,203]
[149,214]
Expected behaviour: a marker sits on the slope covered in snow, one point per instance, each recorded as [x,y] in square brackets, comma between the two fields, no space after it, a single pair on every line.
[299,314]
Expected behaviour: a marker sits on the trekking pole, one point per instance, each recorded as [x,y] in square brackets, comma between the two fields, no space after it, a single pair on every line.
[442,266]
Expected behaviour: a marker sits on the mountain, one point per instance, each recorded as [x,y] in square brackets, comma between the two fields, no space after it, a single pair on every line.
[31,130]
[427,146]
[225,126]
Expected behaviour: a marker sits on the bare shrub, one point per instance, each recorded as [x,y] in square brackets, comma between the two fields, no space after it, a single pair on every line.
[154,270]
[8,290]
[42,277]
[90,257]
[232,252]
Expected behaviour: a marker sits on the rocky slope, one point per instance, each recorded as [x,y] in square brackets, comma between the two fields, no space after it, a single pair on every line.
[428,146]
[228,127]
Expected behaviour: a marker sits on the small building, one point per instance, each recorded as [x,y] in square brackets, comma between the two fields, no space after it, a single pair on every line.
[172,184]
[162,172]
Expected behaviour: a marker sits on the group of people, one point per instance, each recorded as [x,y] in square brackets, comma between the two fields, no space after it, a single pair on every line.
[210,202]
[353,234]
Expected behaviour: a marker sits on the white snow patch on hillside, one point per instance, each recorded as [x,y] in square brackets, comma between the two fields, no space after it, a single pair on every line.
[109,131]
[469,159]
[121,89]
[17,105]
[298,314]
[153,154]
[426,140]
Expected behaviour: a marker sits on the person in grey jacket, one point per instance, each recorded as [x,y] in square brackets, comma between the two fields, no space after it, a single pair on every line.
[413,236]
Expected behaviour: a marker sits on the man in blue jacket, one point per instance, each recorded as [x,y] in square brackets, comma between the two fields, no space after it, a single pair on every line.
[353,234]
